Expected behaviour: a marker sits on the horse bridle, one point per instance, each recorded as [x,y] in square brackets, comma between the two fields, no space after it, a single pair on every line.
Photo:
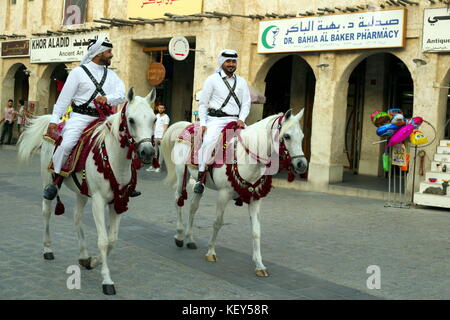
[299,156]
[151,140]
[283,143]
[128,138]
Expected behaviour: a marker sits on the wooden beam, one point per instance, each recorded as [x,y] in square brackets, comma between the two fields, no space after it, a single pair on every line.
[155,49]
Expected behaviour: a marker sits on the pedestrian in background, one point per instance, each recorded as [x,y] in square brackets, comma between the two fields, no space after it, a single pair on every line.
[10,114]
[161,125]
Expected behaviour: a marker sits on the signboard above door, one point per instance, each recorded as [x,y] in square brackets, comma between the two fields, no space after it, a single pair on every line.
[436,29]
[61,49]
[363,30]
[15,49]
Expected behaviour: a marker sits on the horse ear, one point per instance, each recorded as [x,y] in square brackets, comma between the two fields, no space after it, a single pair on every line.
[287,115]
[130,94]
[299,115]
[151,97]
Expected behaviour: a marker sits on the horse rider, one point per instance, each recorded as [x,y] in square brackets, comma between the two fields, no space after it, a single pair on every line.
[92,80]
[225,97]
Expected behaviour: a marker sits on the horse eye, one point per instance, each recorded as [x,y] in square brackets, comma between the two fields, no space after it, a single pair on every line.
[287,137]
[131,121]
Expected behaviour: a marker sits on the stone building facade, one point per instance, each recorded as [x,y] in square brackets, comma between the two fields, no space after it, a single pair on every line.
[339,89]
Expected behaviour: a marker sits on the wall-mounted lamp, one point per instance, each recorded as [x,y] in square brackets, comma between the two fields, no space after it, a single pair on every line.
[419,62]
[322,66]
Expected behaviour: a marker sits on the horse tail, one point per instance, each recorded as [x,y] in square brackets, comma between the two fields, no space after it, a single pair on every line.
[167,145]
[31,139]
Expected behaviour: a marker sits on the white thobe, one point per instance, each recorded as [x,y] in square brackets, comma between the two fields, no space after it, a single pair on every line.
[79,88]
[213,95]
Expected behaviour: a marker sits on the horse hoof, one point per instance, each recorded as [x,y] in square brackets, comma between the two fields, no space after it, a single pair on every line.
[179,243]
[211,258]
[262,273]
[85,263]
[109,289]
[191,245]
[49,256]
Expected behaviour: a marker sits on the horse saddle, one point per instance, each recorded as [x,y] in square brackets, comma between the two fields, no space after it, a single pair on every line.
[191,136]
[77,158]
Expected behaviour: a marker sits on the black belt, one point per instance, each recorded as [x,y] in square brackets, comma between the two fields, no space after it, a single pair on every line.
[219,113]
[85,110]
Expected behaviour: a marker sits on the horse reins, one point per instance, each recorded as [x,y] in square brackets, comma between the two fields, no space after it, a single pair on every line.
[283,152]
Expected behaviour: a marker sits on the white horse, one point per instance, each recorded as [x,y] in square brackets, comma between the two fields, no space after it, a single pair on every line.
[268,132]
[139,118]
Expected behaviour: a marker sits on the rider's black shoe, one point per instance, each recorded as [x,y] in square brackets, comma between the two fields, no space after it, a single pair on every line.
[199,188]
[135,194]
[200,185]
[50,191]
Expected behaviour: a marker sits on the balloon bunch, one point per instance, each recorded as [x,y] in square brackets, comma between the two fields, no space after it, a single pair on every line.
[393,126]
[396,128]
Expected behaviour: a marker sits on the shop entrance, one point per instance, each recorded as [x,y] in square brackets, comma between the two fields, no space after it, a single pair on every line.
[57,79]
[21,86]
[290,84]
[176,91]
[447,123]
[379,82]
[15,86]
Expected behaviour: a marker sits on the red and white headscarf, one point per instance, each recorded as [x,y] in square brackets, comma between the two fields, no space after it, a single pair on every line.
[227,54]
[96,47]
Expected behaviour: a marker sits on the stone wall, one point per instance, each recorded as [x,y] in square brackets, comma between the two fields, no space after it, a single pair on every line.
[241,34]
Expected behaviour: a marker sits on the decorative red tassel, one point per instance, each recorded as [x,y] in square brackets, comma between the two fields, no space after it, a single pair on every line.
[291,176]
[155,163]
[59,209]
[238,202]
[180,201]
[137,163]
[84,188]
[184,194]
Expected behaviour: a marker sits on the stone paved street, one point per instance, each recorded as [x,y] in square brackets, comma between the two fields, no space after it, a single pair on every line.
[316,246]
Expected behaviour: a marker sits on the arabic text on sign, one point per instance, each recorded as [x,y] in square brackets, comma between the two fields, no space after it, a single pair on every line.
[157,2]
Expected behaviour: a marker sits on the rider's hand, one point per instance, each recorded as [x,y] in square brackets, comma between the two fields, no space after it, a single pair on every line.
[241,124]
[52,129]
[101,99]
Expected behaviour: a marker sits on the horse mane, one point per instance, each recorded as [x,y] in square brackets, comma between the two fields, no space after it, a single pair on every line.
[263,123]
[252,133]
[109,127]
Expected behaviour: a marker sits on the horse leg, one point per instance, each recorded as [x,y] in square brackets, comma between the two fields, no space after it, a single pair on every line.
[46,212]
[253,209]
[84,259]
[114,220]
[222,201]
[190,227]
[98,210]
[179,237]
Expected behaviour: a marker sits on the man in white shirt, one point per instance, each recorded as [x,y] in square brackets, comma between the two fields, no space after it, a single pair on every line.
[161,125]
[92,80]
[225,97]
